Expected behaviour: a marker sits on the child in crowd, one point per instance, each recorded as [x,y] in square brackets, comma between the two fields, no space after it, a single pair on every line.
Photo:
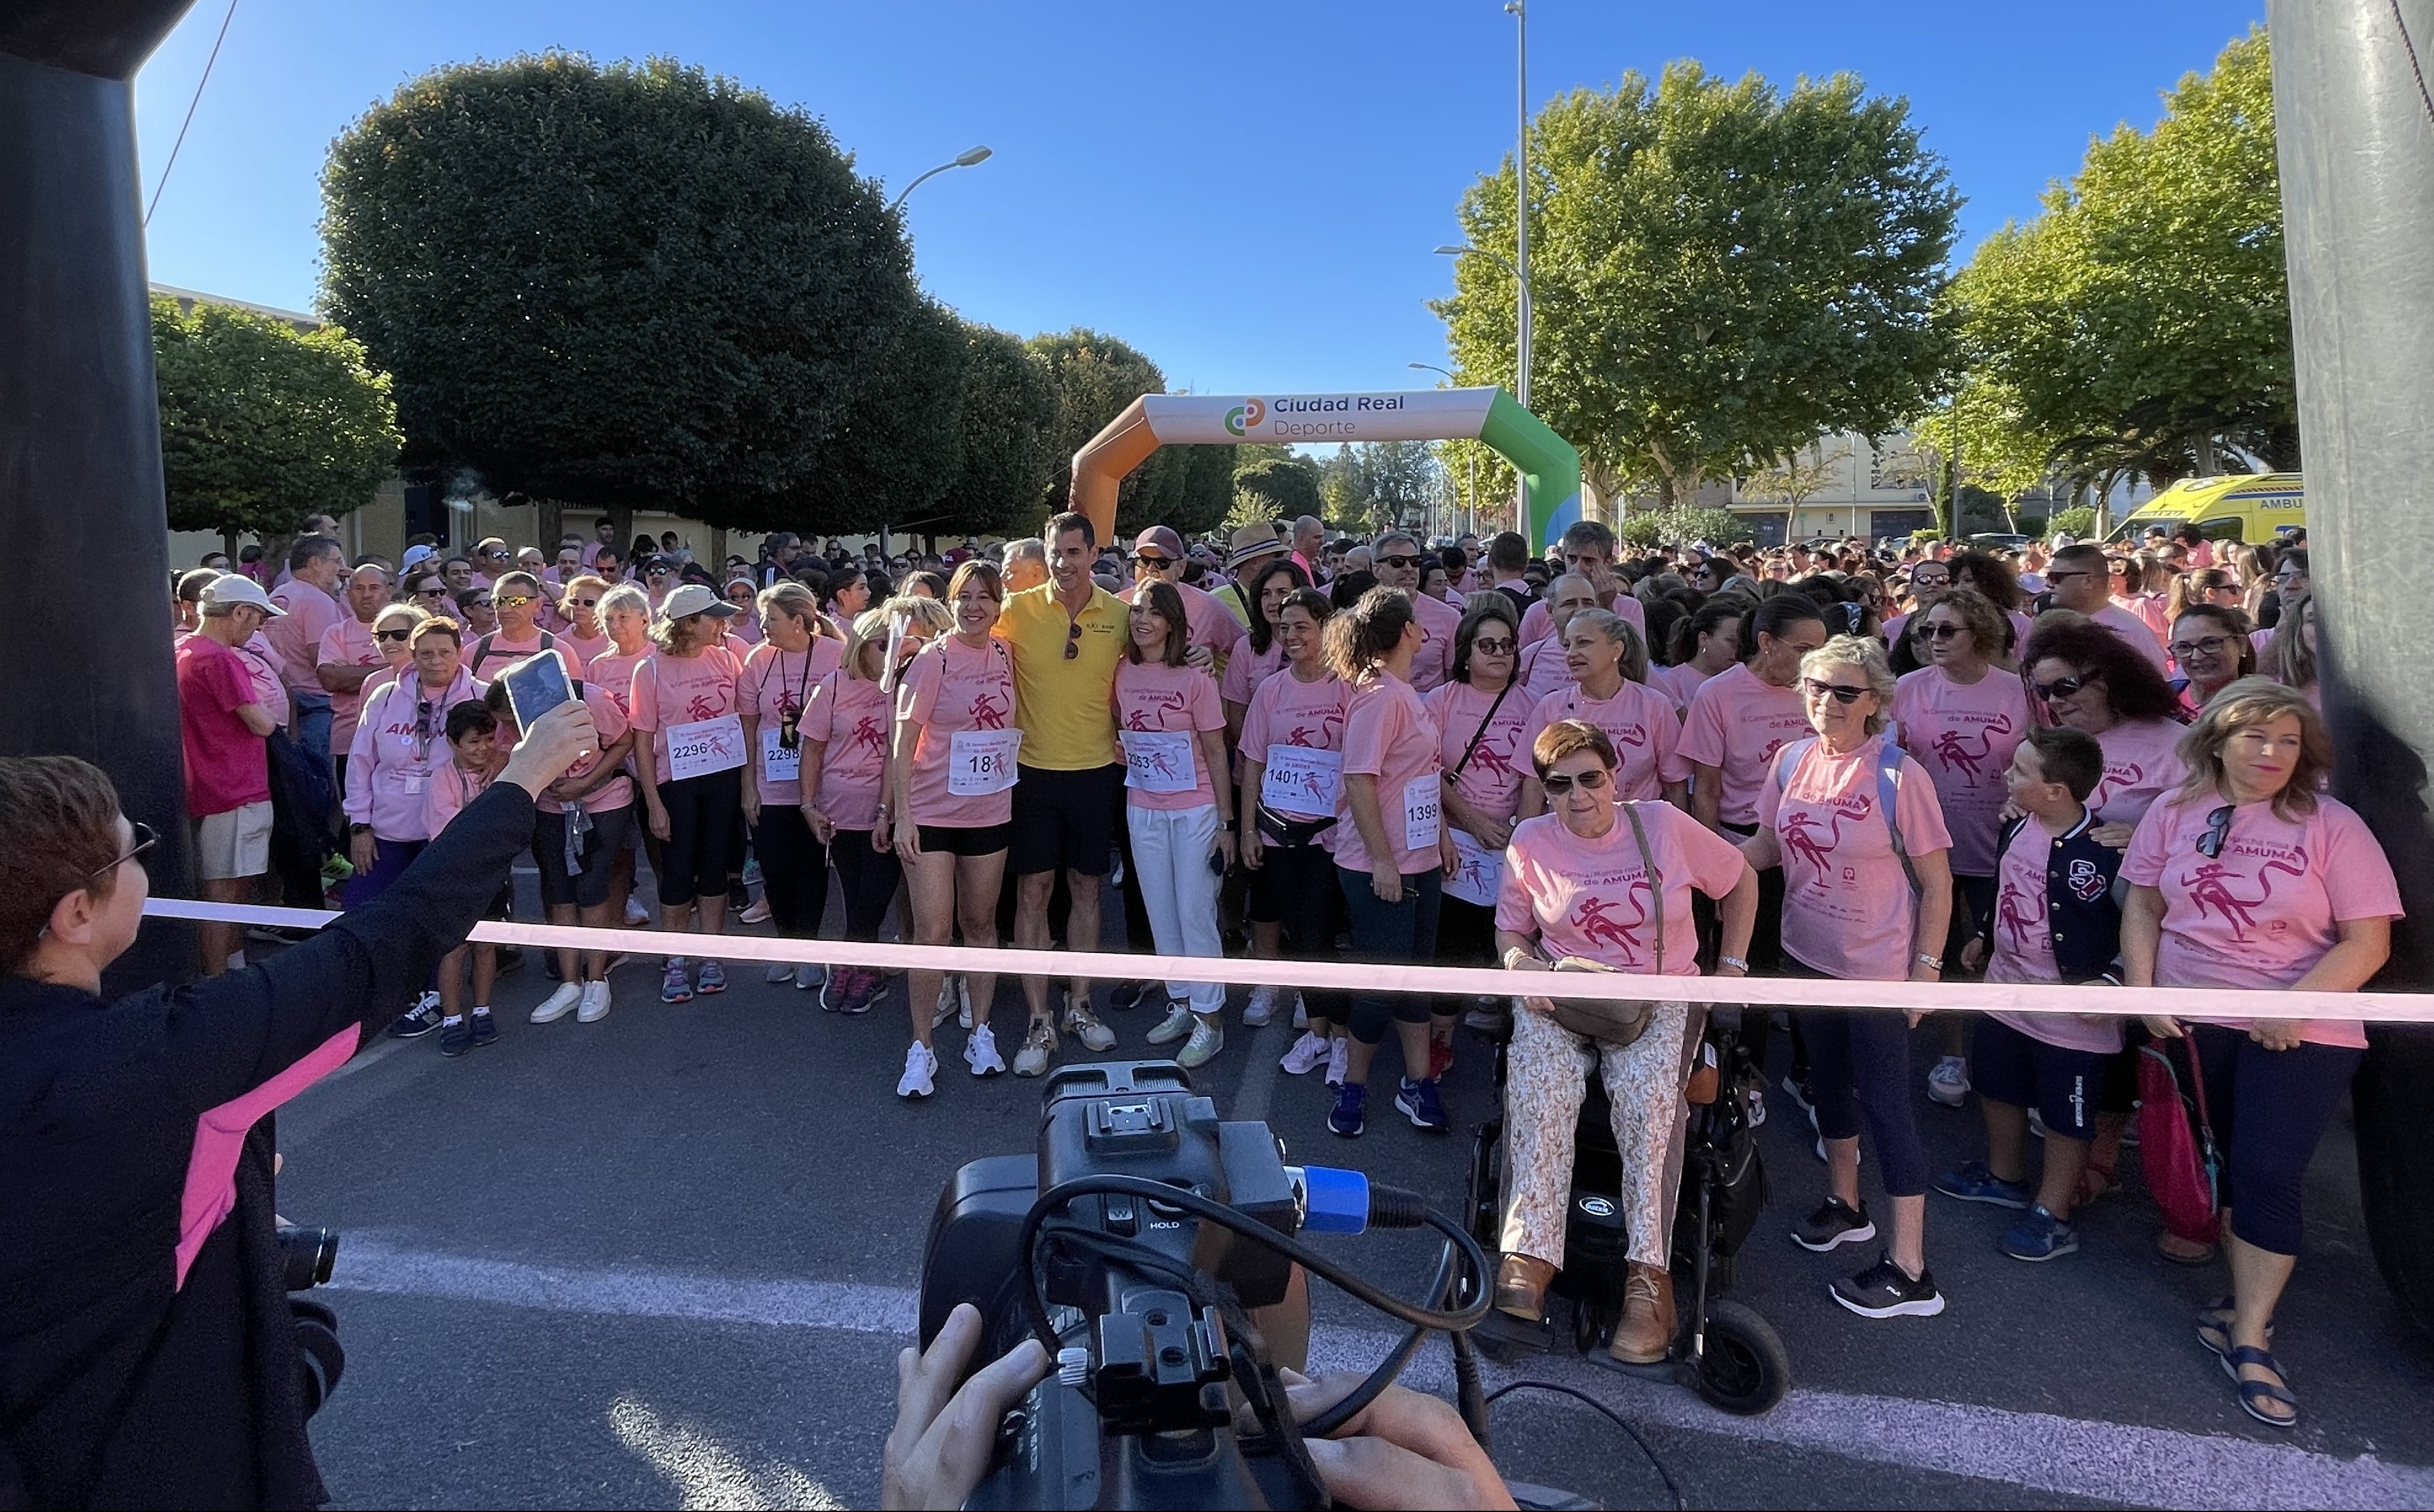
[475,758]
[2055,920]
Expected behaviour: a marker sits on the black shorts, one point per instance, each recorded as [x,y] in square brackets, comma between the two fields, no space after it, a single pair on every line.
[588,885]
[2065,1087]
[1065,821]
[983,840]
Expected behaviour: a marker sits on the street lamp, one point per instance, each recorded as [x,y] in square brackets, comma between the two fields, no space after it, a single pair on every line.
[1521,282]
[1431,367]
[1516,8]
[962,159]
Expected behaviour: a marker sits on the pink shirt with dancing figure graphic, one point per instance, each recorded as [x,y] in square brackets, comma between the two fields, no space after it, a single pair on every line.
[847,717]
[774,684]
[1490,780]
[1538,620]
[2141,764]
[1594,899]
[681,690]
[1285,710]
[1389,736]
[1964,733]
[1638,719]
[2265,909]
[1737,723]
[1847,906]
[2023,950]
[951,689]
[1152,698]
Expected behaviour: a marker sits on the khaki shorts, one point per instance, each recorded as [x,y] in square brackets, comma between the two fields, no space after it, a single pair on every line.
[233,845]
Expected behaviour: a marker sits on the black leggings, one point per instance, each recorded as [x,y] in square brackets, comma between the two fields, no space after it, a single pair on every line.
[1382,931]
[2268,1108]
[794,870]
[701,817]
[1301,879]
[1466,936]
[868,878]
[1858,1063]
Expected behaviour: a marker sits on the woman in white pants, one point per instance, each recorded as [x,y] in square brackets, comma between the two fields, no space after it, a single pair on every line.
[1173,724]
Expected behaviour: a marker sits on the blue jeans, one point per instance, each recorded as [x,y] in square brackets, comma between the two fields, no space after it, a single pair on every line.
[311,726]
[1405,931]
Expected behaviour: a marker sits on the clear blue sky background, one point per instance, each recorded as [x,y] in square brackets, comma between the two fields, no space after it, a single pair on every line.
[1248,192]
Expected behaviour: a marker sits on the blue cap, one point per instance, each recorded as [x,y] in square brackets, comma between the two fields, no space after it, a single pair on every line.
[1333,1201]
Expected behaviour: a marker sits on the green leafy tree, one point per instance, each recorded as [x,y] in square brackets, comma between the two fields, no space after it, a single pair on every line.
[1721,273]
[2078,520]
[623,284]
[262,424]
[1284,488]
[1680,524]
[1981,438]
[1008,419]
[897,451]
[2143,319]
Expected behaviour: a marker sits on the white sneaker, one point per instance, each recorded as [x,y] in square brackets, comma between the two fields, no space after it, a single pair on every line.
[558,1004]
[963,1000]
[595,1003]
[1339,1060]
[1261,1007]
[920,1066]
[1085,1026]
[1207,1038]
[1301,1011]
[1039,1049]
[1176,1023]
[636,916]
[946,1002]
[1308,1053]
[757,912]
[980,1053]
[808,978]
[779,973]
[1949,1083]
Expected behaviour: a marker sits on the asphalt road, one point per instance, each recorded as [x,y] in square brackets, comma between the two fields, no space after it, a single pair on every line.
[668,1258]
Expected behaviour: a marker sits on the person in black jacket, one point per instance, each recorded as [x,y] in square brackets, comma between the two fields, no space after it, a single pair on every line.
[2055,919]
[148,1353]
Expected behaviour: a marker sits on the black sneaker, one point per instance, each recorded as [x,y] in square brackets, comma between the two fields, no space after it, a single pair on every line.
[1125,995]
[485,1030]
[417,1020]
[456,1038]
[1834,1224]
[1884,1291]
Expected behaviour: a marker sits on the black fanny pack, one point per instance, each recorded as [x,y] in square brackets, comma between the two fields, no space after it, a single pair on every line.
[1275,829]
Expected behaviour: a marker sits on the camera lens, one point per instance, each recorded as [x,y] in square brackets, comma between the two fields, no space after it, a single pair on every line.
[306,1256]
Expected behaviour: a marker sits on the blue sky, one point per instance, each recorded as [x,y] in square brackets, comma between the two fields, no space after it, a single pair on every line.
[1246,192]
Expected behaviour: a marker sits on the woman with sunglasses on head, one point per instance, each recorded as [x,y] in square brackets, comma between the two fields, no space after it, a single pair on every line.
[690,770]
[950,808]
[1961,717]
[1392,847]
[1609,689]
[2211,647]
[1867,897]
[1484,727]
[1291,747]
[1609,883]
[773,695]
[2249,876]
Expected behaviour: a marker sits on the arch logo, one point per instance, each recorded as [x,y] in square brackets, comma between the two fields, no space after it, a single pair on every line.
[1242,417]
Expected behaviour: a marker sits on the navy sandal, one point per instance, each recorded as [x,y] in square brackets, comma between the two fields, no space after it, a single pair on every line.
[2213,1325]
[2252,1392]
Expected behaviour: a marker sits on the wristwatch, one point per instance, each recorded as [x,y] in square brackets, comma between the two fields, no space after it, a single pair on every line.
[1924,959]
[359,828]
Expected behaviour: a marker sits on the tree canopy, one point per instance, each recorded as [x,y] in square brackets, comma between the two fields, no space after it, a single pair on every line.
[263,424]
[1285,487]
[2141,323]
[1094,376]
[1720,273]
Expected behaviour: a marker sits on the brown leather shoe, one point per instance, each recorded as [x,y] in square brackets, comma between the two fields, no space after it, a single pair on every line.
[1646,1333]
[1521,1287]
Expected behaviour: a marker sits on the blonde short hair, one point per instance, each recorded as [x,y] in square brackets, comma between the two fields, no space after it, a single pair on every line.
[1869,658]
[2244,705]
[408,615]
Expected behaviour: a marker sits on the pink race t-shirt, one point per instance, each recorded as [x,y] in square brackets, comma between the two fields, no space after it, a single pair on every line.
[1681,683]
[773,683]
[617,792]
[1735,724]
[347,644]
[953,687]
[681,690]
[1964,733]
[1246,669]
[1286,710]
[848,719]
[2267,909]
[1498,749]
[269,688]
[2141,764]
[2024,941]
[1439,621]
[1544,670]
[1389,736]
[614,671]
[504,653]
[587,648]
[1638,719]
[1155,699]
[1538,620]
[1592,897]
[1847,907]
[2135,632]
[296,634]
[1206,622]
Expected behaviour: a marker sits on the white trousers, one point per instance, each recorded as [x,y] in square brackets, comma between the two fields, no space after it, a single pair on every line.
[1171,847]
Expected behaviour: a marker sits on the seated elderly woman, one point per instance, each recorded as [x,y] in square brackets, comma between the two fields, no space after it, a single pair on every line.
[1598,883]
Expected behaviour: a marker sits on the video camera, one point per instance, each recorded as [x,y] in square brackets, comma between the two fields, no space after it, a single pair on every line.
[1135,1245]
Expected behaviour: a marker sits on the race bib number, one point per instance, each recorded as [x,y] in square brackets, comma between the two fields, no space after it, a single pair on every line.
[1422,813]
[414,779]
[1481,872]
[1159,761]
[981,762]
[704,747]
[1301,780]
[777,764]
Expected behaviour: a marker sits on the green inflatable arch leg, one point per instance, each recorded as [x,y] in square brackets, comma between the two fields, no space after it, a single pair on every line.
[1548,465]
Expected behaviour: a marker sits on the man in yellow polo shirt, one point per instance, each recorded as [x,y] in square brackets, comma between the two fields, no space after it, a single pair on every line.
[1066,636]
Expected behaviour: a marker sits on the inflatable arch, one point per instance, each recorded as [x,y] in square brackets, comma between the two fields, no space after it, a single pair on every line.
[1550,468]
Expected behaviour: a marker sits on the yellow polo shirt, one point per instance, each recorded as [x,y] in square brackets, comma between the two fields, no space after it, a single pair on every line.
[1065,707]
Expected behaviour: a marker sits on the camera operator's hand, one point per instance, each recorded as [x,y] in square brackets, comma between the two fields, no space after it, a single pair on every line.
[941,1445]
[1404,1449]
[556,741]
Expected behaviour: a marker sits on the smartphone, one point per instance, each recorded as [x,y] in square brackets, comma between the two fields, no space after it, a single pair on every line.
[536,685]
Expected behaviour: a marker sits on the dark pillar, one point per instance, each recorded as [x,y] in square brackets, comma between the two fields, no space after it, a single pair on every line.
[80,500]
[2357,149]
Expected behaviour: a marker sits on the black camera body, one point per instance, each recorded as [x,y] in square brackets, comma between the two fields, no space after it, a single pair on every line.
[1138,1411]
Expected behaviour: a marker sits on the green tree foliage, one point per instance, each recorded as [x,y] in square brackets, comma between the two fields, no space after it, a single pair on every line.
[2143,319]
[1981,438]
[1285,487]
[1720,273]
[1009,412]
[2078,520]
[1680,524]
[262,424]
[627,284]
[1093,377]
[897,449]
[1378,485]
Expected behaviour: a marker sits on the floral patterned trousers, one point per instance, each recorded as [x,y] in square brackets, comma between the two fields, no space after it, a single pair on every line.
[1546,1078]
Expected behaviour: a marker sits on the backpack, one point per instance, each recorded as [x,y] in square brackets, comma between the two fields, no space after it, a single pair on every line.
[482,652]
[1889,760]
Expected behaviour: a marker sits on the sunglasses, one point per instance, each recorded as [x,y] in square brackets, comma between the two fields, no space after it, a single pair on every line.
[2060,687]
[1944,632]
[1072,640]
[1559,783]
[483,602]
[1155,564]
[2217,831]
[513,601]
[1485,646]
[407,634]
[1398,563]
[2055,577]
[1931,582]
[431,593]
[1840,693]
[585,602]
[145,840]
[2182,650]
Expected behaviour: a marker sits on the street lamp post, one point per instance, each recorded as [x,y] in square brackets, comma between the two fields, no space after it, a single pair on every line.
[1520,14]
[1521,282]
[962,159]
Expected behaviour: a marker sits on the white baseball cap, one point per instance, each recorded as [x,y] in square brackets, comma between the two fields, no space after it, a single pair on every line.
[415,557]
[696,598]
[236,588]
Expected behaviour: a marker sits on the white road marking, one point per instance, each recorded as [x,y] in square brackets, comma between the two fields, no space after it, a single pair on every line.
[2122,1463]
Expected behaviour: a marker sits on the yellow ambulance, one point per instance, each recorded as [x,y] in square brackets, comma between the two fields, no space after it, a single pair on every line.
[2251,508]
